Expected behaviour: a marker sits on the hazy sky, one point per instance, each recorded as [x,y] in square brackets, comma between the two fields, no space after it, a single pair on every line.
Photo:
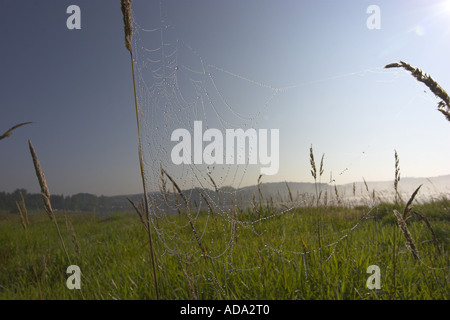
[319,57]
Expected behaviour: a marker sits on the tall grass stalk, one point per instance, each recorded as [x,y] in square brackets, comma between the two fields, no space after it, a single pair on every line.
[314,175]
[70,228]
[394,236]
[410,244]
[46,195]
[397,177]
[128,29]
[23,213]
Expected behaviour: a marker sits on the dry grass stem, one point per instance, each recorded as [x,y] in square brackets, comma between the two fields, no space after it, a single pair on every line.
[163,186]
[70,228]
[42,182]
[24,208]
[23,213]
[365,185]
[336,192]
[259,188]
[321,165]
[313,163]
[207,201]
[191,222]
[401,220]
[289,192]
[46,194]
[140,213]
[213,182]
[423,218]
[409,239]
[397,177]
[408,206]
[8,133]
[186,202]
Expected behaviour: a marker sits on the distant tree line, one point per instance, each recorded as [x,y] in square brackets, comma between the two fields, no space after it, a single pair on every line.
[79,202]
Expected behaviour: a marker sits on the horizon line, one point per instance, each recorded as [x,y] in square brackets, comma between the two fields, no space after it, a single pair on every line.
[242,187]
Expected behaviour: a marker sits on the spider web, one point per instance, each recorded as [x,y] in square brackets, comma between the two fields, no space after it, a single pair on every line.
[200,211]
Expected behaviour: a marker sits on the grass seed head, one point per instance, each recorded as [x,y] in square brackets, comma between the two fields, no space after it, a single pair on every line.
[42,182]
[419,75]
[127,22]
[409,239]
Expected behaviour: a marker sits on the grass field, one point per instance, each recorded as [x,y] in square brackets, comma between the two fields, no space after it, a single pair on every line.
[303,253]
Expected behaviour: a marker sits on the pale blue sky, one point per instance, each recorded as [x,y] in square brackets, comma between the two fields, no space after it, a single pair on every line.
[76,85]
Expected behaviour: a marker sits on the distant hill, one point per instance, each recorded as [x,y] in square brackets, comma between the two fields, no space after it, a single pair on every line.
[434,187]
[301,193]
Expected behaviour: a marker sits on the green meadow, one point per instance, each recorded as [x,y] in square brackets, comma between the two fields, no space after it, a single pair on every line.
[318,252]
